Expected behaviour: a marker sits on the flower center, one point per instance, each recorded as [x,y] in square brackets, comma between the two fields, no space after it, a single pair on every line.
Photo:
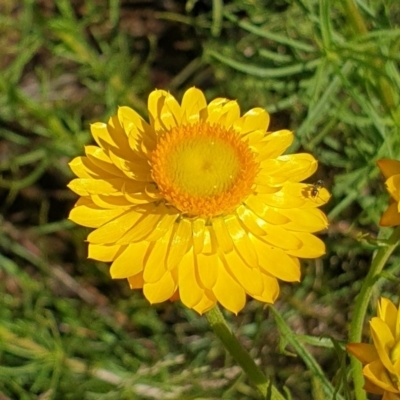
[202,169]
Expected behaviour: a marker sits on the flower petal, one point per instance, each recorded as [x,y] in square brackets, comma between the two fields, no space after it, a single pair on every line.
[161,290]
[228,292]
[383,341]
[312,247]
[274,144]
[249,278]
[130,261]
[115,229]
[377,374]
[391,217]
[193,102]
[90,215]
[256,119]
[136,281]
[271,289]
[389,167]
[190,288]
[207,267]
[387,312]
[393,186]
[366,353]
[104,252]
[276,262]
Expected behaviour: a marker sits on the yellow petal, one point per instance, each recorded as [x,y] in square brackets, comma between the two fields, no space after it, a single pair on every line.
[86,187]
[390,396]
[228,292]
[99,158]
[119,136]
[391,217]
[377,374]
[256,119]
[167,220]
[155,103]
[389,167]
[312,247]
[130,262]
[136,281]
[221,232]
[108,201]
[243,245]
[103,252]
[207,269]
[142,228]
[366,353]
[131,166]
[289,196]
[93,216]
[393,186]
[279,236]
[305,220]
[291,167]
[210,244]
[189,288]
[207,302]
[276,262]
[101,135]
[223,112]
[274,144]
[193,102]
[115,229]
[265,212]
[383,341]
[198,229]
[171,113]
[249,278]
[155,266]
[271,289]
[387,311]
[161,290]
[249,219]
[371,388]
[79,166]
[134,125]
[180,242]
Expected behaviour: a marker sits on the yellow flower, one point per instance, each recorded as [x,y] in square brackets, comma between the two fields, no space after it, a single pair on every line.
[198,203]
[391,171]
[382,359]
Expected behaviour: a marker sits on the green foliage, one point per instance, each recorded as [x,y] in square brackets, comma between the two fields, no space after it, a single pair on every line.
[66,330]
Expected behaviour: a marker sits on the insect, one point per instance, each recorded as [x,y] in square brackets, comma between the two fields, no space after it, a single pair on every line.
[316,187]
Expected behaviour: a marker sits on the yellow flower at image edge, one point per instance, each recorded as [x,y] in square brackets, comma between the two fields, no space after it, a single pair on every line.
[381,359]
[198,203]
[391,171]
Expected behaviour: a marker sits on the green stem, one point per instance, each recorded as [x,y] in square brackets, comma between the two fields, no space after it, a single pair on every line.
[242,357]
[360,309]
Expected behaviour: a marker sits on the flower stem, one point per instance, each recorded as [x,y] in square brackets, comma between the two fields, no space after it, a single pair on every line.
[242,357]
[360,308]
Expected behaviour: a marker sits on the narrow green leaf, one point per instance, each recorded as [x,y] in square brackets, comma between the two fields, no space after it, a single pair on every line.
[260,72]
[308,359]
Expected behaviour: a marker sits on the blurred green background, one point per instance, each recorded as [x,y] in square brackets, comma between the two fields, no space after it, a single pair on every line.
[328,70]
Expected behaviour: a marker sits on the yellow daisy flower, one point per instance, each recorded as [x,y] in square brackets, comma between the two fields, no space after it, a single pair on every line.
[391,171]
[382,359]
[198,203]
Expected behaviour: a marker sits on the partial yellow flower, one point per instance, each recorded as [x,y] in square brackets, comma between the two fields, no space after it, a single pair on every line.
[381,359]
[198,203]
[391,171]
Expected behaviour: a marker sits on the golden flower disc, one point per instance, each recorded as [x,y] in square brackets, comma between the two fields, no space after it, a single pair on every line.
[203,169]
